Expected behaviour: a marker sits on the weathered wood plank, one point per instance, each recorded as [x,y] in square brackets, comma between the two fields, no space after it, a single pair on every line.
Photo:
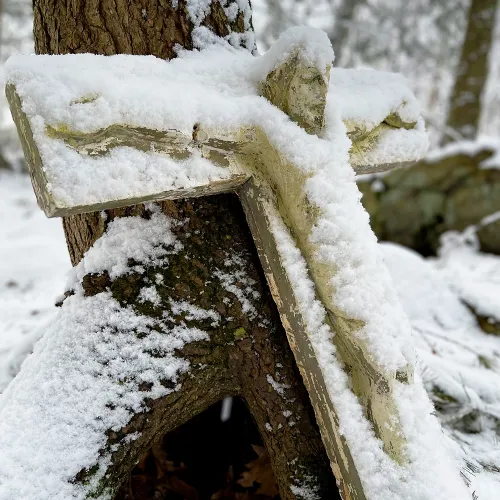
[259,208]
[213,187]
[373,384]
[297,88]
[31,153]
[172,143]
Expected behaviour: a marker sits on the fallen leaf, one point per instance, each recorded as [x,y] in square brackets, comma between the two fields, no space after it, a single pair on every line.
[261,472]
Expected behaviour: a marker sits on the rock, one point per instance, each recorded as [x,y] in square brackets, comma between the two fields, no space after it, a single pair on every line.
[419,203]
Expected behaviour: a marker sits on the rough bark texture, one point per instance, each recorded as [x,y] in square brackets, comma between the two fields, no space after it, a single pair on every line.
[243,353]
[110,27]
[472,70]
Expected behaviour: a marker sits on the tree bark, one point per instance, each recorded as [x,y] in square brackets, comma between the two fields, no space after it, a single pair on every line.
[241,356]
[472,70]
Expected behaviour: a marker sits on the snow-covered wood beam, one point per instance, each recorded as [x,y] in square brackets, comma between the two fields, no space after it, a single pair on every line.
[200,125]
[172,143]
[389,137]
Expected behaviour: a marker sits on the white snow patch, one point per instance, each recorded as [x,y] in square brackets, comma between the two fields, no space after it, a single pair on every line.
[489,219]
[368,97]
[315,50]
[398,146]
[131,437]
[203,37]
[473,276]
[86,375]
[277,386]
[193,312]
[381,477]
[147,242]
[235,280]
[455,356]
[150,294]
[304,492]
[469,148]
[34,261]
[198,10]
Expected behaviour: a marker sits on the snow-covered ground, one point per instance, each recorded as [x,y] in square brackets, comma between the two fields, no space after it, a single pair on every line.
[458,362]
[33,265]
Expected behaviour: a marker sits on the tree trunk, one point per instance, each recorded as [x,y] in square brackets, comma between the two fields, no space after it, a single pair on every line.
[248,351]
[472,70]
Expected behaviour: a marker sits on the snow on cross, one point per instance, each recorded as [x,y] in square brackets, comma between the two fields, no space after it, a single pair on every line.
[284,131]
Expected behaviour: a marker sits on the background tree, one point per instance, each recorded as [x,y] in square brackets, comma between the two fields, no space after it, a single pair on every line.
[472,71]
[15,37]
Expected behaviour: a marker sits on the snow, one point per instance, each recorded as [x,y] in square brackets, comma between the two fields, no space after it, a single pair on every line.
[150,294]
[313,48]
[203,37]
[343,240]
[145,241]
[85,375]
[217,88]
[233,281]
[429,299]
[381,477]
[198,10]
[473,276]
[304,492]
[455,357]
[396,146]
[364,99]
[33,266]
[192,312]
[278,387]
[367,97]
[469,148]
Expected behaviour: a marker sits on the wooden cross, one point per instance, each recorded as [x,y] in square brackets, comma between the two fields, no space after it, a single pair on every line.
[272,190]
